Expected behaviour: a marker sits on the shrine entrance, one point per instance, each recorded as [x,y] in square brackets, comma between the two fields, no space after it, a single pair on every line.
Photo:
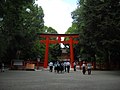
[47,40]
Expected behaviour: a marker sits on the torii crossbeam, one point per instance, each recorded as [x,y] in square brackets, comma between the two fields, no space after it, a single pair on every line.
[47,40]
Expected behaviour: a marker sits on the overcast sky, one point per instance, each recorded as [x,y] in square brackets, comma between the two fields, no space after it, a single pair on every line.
[58,13]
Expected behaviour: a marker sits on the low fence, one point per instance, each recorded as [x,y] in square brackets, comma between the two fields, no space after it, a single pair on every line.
[25,65]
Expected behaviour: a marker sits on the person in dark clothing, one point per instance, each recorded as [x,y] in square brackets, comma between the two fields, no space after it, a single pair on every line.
[55,67]
[83,68]
[61,66]
[74,66]
[89,67]
[68,66]
[58,67]
[2,67]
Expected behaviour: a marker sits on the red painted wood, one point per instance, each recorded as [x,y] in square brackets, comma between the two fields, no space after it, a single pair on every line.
[71,52]
[61,35]
[58,41]
[47,40]
[46,53]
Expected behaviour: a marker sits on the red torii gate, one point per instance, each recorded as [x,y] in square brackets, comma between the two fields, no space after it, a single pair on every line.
[48,41]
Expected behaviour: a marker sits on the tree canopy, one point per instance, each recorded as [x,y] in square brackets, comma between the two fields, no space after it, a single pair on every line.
[20,22]
[98,22]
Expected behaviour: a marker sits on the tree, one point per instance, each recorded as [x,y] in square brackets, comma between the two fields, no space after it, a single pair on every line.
[73,29]
[98,22]
[21,22]
[54,49]
[32,25]
[49,30]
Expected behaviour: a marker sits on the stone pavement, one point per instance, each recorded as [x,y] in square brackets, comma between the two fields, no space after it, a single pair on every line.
[45,80]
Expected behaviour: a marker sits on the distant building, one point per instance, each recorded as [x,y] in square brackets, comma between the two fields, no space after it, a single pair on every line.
[65,56]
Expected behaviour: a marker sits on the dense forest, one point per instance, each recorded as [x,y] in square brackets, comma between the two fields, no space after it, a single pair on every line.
[20,23]
[96,21]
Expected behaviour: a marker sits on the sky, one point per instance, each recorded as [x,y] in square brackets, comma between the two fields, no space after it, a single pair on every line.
[58,13]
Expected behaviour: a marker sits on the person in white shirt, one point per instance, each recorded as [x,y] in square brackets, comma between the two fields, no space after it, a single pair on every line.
[51,66]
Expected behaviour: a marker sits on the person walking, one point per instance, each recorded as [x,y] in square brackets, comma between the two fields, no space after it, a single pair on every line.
[65,66]
[51,66]
[68,66]
[83,68]
[89,67]
[2,67]
[74,66]
[61,66]
[55,66]
[58,66]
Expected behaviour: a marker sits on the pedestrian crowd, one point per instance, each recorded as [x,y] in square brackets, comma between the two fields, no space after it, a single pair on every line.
[60,67]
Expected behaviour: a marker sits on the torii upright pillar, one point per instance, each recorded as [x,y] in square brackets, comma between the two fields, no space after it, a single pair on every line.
[46,53]
[71,52]
[48,41]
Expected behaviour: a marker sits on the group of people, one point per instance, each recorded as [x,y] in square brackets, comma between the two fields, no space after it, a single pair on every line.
[86,67]
[59,66]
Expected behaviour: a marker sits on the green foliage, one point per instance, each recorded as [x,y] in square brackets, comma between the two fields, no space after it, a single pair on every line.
[72,30]
[22,20]
[49,30]
[98,22]
[55,51]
